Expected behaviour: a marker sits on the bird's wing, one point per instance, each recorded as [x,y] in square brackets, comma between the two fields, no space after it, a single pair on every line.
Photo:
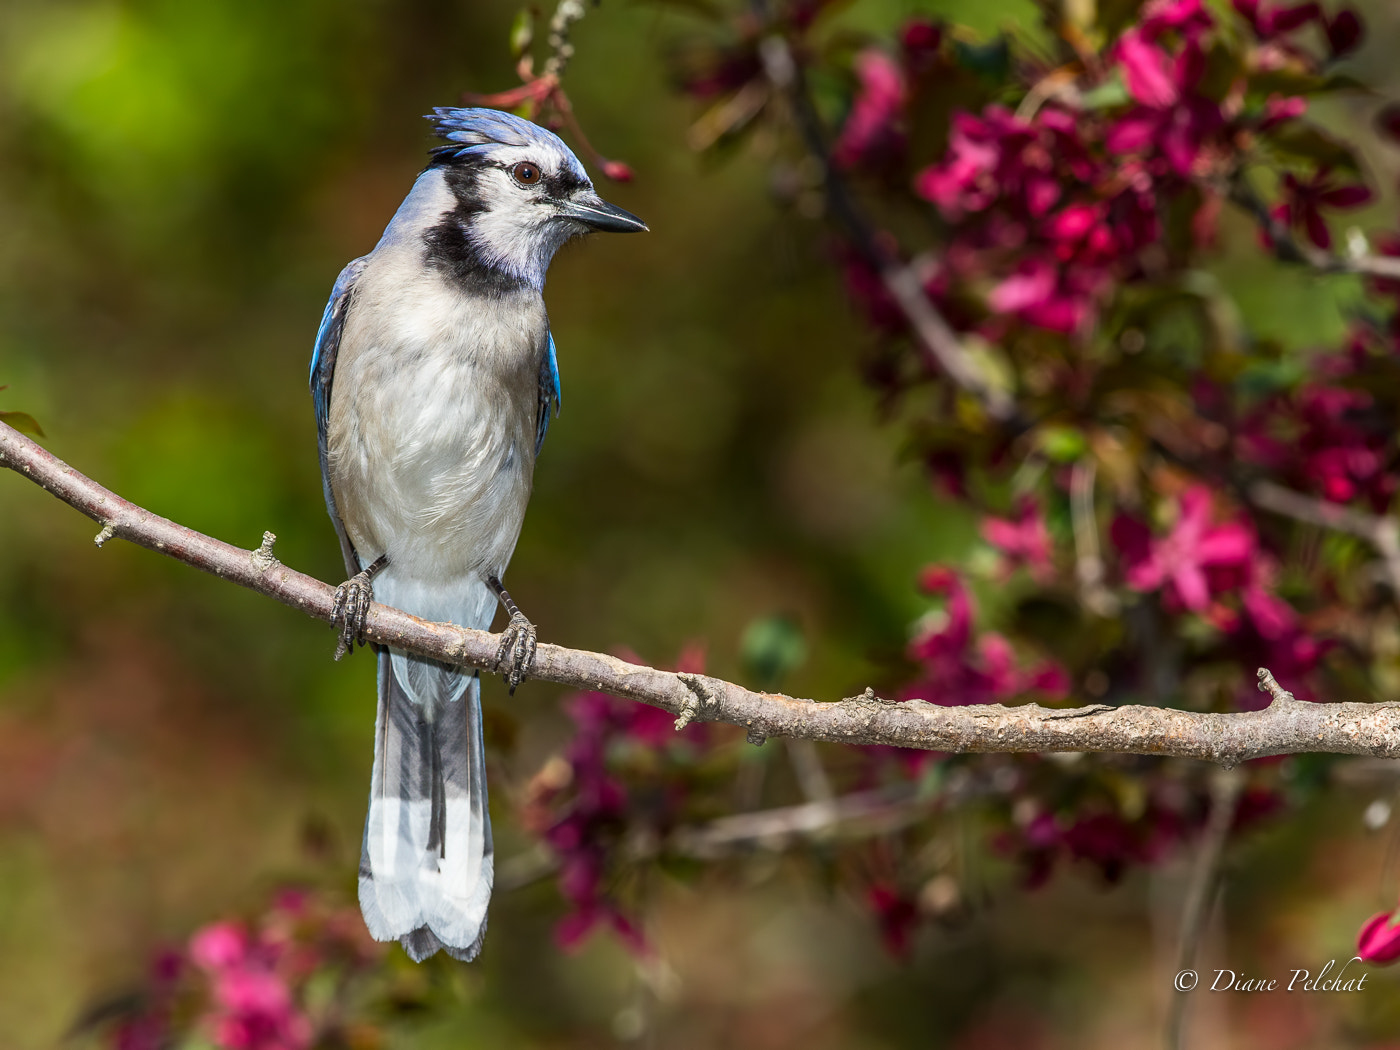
[550,395]
[322,373]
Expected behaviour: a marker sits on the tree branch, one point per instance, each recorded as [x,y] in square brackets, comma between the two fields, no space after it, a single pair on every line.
[1287,726]
[933,334]
[1288,248]
[1205,878]
[1381,532]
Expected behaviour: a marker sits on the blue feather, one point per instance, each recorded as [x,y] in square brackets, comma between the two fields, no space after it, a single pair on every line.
[475,131]
[551,396]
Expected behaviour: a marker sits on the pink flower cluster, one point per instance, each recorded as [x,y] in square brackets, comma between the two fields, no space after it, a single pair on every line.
[1332,440]
[1024,541]
[1037,205]
[1218,571]
[958,667]
[581,805]
[252,1007]
[1053,207]
[1060,205]
[1110,841]
[242,986]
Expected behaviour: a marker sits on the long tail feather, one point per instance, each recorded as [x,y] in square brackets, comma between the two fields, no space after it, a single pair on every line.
[426,863]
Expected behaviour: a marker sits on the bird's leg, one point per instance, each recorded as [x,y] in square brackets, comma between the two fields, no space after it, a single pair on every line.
[518,641]
[351,607]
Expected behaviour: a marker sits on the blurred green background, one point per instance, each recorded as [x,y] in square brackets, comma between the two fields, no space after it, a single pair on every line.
[179,185]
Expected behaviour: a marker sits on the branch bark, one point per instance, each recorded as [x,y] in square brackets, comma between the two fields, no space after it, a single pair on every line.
[1287,726]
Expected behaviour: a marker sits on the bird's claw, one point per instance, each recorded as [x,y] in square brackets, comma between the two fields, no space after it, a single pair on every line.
[351,610]
[516,654]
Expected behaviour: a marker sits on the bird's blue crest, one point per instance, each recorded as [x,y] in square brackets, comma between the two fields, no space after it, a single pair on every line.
[475,130]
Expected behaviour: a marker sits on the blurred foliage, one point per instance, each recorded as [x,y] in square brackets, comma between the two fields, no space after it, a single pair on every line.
[179,185]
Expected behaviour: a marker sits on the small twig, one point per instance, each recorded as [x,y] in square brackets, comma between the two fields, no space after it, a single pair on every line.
[1381,532]
[779,828]
[1282,728]
[1289,248]
[807,767]
[546,91]
[1088,565]
[1226,789]
[561,47]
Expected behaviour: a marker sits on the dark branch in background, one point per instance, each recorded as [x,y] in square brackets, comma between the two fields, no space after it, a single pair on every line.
[1381,532]
[935,337]
[1287,726]
[1205,880]
[1289,248]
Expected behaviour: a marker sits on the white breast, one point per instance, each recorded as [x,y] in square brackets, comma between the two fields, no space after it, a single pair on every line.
[432,422]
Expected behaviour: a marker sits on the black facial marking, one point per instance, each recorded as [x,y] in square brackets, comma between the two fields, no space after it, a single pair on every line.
[448,247]
[562,184]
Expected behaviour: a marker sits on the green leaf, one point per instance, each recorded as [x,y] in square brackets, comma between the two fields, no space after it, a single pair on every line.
[991,60]
[1107,95]
[1062,444]
[23,422]
[1301,141]
[522,32]
[771,649]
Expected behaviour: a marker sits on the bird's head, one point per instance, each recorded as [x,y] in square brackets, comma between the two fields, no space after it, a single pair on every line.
[520,192]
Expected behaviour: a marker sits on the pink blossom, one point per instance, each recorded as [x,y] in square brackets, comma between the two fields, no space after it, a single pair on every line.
[1278,109]
[1303,202]
[1344,32]
[219,946]
[1270,20]
[1024,540]
[253,991]
[617,171]
[1032,285]
[877,106]
[959,668]
[1181,557]
[1148,71]
[919,42]
[1379,939]
[897,916]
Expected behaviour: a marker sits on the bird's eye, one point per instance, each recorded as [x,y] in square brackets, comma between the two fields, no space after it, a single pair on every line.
[526,173]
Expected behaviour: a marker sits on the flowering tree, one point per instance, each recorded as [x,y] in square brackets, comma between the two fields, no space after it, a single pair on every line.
[1028,224]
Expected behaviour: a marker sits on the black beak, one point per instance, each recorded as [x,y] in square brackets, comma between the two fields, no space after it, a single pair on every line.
[598,214]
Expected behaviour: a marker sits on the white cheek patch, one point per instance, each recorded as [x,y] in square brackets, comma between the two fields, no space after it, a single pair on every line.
[513,231]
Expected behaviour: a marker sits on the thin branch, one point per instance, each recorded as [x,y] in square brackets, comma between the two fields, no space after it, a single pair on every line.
[811,774]
[932,333]
[1088,562]
[560,26]
[1381,532]
[1289,248]
[1205,877]
[1287,726]
[776,829]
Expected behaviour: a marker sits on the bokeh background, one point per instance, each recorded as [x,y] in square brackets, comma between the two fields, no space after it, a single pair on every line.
[179,185]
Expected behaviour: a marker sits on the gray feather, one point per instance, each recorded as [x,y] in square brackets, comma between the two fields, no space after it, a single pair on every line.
[426,865]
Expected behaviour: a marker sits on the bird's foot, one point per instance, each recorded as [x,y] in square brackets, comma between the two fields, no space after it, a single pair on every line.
[351,610]
[516,654]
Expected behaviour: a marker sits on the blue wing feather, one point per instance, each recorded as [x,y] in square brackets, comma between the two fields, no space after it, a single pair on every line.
[551,397]
[322,374]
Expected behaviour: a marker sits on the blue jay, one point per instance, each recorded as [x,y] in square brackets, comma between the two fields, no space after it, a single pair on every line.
[433,378]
